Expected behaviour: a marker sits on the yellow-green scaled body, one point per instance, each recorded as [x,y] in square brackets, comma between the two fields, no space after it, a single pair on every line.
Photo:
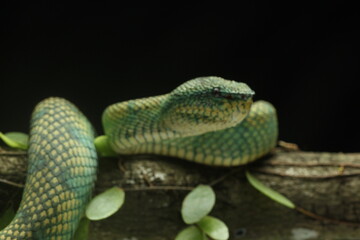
[61,174]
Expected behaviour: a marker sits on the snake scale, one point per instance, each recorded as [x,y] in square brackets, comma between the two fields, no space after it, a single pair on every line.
[208,120]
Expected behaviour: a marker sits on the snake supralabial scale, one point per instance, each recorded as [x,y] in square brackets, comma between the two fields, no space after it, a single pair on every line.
[61,174]
[208,120]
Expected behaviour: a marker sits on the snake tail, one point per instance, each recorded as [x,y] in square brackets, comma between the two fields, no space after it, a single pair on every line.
[62,164]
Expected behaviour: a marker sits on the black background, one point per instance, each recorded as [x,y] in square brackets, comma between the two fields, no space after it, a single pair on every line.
[302,58]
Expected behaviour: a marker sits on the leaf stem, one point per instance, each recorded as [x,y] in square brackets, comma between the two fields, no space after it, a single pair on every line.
[19,185]
[325,219]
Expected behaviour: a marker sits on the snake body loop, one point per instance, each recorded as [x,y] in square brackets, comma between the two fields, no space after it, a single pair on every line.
[61,174]
[207,120]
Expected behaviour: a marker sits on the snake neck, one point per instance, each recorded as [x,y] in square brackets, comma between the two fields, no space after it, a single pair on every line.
[140,123]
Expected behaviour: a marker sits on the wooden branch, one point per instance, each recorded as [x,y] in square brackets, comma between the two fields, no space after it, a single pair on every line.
[324,186]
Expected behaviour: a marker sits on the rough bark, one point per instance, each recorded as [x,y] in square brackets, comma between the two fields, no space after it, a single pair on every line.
[327,184]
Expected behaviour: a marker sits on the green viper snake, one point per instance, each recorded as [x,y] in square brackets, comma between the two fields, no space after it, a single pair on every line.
[207,120]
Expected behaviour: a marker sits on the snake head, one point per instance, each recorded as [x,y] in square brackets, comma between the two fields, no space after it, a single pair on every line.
[206,104]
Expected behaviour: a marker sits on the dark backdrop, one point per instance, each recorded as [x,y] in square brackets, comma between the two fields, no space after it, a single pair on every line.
[300,57]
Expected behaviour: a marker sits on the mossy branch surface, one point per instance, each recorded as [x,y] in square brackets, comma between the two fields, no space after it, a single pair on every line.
[325,184]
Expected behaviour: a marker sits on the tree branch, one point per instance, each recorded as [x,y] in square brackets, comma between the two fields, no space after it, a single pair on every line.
[155,187]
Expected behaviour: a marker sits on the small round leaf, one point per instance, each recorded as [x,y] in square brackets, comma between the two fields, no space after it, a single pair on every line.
[103,148]
[105,204]
[214,228]
[190,233]
[17,140]
[269,192]
[197,204]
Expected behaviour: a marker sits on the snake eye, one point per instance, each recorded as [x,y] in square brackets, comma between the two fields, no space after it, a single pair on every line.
[216,92]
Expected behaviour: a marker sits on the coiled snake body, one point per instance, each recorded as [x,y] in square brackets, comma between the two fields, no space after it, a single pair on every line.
[206,120]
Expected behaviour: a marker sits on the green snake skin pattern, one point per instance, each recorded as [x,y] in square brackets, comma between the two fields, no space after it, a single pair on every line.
[61,174]
[207,120]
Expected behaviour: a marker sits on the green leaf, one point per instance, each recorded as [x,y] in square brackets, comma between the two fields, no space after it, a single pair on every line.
[191,233]
[82,232]
[214,228]
[6,217]
[103,148]
[105,204]
[269,192]
[197,204]
[16,140]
